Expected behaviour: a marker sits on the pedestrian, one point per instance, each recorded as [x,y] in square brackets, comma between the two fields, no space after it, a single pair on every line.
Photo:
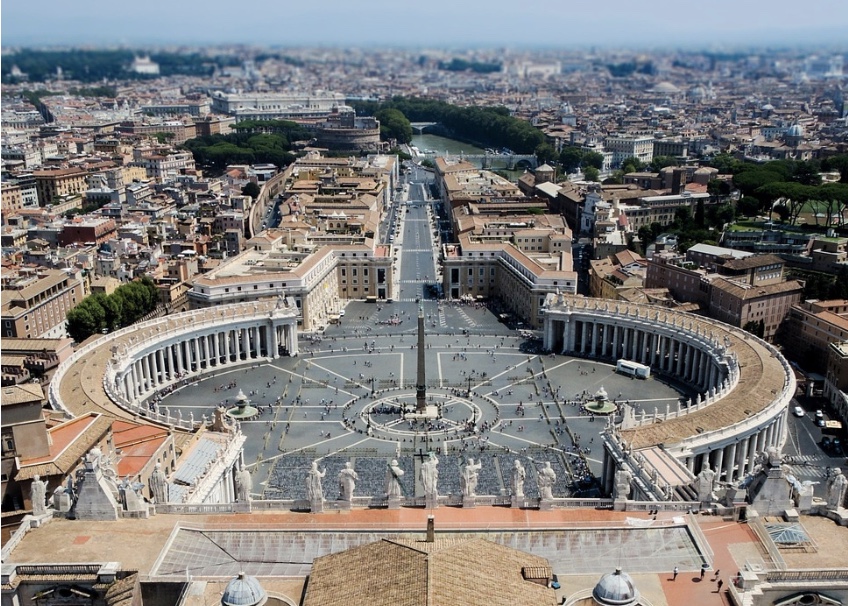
[703,572]
[718,585]
[717,572]
[674,578]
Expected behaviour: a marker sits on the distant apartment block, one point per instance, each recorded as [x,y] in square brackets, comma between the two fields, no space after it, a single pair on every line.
[35,303]
[52,184]
[276,106]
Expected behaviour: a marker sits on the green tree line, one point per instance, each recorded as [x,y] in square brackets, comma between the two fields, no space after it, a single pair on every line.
[795,185]
[98,312]
[218,151]
[486,126]
[97,65]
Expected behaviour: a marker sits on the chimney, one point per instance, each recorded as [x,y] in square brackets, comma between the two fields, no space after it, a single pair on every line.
[431,529]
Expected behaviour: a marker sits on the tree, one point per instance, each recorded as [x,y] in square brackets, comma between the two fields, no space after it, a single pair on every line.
[748,206]
[660,162]
[700,214]
[631,165]
[593,159]
[570,158]
[545,153]
[591,173]
[394,125]
[251,189]
[86,319]
[755,327]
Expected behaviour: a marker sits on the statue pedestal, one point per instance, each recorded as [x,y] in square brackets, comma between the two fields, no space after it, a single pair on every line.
[469,502]
[545,504]
[517,502]
[619,505]
[344,505]
[431,501]
[316,506]
[394,502]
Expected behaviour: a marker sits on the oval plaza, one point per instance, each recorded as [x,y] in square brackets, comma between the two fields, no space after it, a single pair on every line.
[741,384]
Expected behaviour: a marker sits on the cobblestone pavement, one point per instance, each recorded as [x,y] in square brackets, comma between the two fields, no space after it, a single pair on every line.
[341,400]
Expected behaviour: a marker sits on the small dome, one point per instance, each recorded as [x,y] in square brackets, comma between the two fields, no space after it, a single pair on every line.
[767,107]
[796,130]
[666,87]
[244,590]
[616,589]
[544,169]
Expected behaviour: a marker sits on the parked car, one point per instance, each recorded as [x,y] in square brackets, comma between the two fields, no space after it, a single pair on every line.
[798,411]
[819,414]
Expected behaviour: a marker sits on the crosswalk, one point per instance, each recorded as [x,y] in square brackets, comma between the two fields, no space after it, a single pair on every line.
[807,466]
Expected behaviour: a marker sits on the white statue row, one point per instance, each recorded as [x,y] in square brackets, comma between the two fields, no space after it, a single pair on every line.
[429,476]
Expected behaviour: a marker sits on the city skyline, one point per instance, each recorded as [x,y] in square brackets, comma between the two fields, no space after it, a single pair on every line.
[383,23]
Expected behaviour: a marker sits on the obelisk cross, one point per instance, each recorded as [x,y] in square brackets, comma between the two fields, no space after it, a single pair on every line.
[421,382]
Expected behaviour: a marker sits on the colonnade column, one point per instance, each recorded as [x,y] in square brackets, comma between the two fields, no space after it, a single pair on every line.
[719,461]
[730,462]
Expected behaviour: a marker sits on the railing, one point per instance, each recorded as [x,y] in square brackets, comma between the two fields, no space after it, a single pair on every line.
[806,576]
[701,539]
[756,524]
[18,536]
[202,508]
[60,568]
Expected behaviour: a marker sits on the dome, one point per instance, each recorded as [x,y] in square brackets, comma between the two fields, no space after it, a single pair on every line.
[796,130]
[666,87]
[767,107]
[244,590]
[616,589]
[545,168]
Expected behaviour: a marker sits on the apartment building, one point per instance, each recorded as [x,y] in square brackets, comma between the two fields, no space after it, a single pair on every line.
[276,106]
[812,327]
[12,199]
[52,184]
[35,303]
[836,380]
[732,286]
[629,146]
[84,230]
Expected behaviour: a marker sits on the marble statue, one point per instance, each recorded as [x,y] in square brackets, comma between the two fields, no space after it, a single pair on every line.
[393,475]
[314,492]
[621,487]
[469,477]
[836,485]
[518,475]
[705,482]
[347,482]
[244,484]
[38,492]
[158,485]
[430,475]
[129,497]
[546,479]
[775,459]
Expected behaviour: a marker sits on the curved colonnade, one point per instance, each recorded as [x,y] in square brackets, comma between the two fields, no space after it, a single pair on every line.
[144,359]
[744,384]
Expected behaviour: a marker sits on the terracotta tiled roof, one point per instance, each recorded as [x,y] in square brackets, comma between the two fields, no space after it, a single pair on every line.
[406,572]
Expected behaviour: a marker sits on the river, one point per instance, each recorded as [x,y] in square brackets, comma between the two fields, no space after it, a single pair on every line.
[443,145]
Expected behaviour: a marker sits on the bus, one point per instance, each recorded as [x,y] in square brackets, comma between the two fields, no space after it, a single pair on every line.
[633,369]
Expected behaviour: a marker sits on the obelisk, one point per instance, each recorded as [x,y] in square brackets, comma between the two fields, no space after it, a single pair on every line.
[421,383]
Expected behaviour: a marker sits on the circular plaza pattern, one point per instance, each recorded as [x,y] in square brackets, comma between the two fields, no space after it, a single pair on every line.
[342,397]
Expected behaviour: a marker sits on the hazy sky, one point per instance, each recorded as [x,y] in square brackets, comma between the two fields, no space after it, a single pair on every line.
[457,23]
